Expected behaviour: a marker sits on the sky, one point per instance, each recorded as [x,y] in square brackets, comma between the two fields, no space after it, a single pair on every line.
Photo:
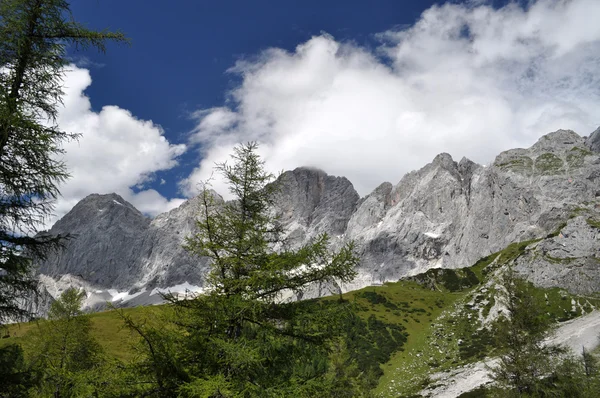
[369,90]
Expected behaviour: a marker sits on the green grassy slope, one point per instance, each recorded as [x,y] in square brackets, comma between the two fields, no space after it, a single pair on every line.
[108,329]
[412,328]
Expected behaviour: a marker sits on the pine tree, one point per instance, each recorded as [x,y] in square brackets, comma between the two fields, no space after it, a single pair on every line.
[34,38]
[241,338]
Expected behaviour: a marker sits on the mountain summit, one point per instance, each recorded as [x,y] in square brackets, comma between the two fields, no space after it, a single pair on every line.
[448,214]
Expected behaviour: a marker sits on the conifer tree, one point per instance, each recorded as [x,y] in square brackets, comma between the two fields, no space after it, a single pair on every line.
[34,38]
[64,356]
[527,362]
[241,338]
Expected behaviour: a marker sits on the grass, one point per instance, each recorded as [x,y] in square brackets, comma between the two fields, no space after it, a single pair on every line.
[421,306]
[522,165]
[593,223]
[456,336]
[108,329]
[548,164]
[412,328]
[576,156]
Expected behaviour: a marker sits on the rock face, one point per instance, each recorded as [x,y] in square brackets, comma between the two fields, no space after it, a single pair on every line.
[571,259]
[107,233]
[114,246]
[447,214]
[310,202]
[450,214]
[593,142]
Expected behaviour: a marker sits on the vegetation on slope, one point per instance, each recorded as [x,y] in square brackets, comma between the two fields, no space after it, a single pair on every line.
[396,335]
[400,332]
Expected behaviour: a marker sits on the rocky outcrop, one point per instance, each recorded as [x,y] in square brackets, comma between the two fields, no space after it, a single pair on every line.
[114,246]
[310,202]
[106,236]
[451,214]
[593,142]
[447,214]
[571,259]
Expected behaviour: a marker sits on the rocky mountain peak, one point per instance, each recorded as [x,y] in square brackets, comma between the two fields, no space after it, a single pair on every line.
[105,232]
[593,141]
[446,214]
[104,212]
[311,202]
[445,160]
[559,140]
[104,200]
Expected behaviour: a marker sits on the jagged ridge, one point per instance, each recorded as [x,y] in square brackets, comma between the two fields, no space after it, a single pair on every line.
[447,214]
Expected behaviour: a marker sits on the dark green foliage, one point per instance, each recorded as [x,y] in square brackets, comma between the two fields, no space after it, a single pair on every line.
[241,339]
[480,392]
[376,298]
[448,279]
[477,345]
[34,35]
[64,358]
[372,343]
[15,377]
[526,364]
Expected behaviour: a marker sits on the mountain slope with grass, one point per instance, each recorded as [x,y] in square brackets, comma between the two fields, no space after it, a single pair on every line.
[430,334]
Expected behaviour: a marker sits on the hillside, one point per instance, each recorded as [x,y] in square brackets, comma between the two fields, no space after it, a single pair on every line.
[417,334]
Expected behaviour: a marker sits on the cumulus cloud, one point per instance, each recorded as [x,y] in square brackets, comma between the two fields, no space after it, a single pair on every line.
[466,79]
[116,151]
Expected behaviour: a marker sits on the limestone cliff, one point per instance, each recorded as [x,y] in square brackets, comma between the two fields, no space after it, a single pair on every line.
[447,214]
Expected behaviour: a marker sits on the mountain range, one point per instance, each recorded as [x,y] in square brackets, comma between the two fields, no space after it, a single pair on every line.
[448,214]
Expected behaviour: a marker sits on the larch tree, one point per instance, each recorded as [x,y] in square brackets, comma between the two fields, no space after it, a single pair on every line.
[528,363]
[241,338]
[64,357]
[34,38]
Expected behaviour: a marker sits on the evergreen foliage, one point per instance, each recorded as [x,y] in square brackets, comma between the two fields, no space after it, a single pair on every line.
[65,359]
[34,37]
[242,338]
[15,378]
[526,360]
[530,367]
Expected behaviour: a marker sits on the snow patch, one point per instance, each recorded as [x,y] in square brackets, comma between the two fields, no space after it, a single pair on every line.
[181,289]
[431,235]
[123,296]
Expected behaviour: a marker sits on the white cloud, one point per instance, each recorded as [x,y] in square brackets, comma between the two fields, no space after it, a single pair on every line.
[116,151]
[465,79]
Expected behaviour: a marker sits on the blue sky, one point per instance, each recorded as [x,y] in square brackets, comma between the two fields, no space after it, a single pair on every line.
[368,90]
[200,40]
[180,51]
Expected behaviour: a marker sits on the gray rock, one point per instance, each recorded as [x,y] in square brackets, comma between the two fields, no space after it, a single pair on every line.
[107,233]
[114,246]
[570,260]
[450,215]
[593,141]
[310,202]
[446,214]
